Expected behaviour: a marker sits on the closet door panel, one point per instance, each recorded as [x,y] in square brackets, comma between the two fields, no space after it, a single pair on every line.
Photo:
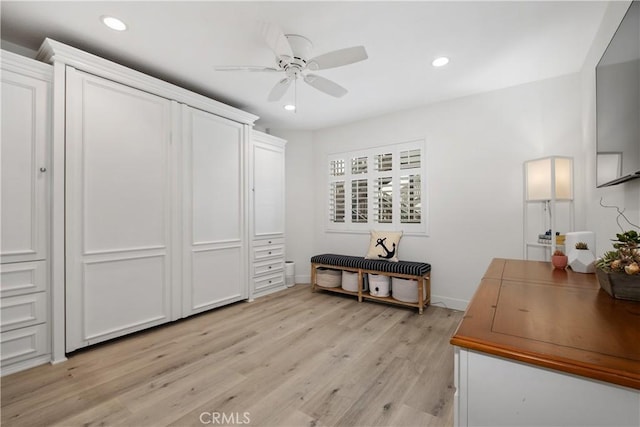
[216,168]
[214,236]
[268,184]
[212,270]
[107,284]
[23,152]
[125,169]
[118,200]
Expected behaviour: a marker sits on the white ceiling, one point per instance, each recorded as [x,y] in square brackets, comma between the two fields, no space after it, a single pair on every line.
[491,45]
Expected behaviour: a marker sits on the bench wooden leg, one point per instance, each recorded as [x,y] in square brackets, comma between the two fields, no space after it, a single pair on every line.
[420,283]
[313,278]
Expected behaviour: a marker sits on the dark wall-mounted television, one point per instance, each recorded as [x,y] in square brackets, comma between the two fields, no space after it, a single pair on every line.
[618,104]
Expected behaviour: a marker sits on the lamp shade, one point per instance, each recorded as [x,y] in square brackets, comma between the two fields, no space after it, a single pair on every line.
[549,178]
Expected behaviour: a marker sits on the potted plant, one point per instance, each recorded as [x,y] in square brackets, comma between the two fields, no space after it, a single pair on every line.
[581,259]
[618,271]
[559,260]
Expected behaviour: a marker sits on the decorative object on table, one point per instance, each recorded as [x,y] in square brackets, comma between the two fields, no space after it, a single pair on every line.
[618,271]
[574,237]
[581,259]
[384,245]
[545,238]
[559,260]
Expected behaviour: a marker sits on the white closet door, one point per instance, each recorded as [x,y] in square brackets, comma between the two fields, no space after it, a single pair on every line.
[25,128]
[214,263]
[268,190]
[118,201]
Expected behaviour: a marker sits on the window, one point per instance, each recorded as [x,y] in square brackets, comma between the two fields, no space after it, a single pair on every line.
[336,167]
[381,188]
[359,165]
[337,204]
[384,200]
[359,197]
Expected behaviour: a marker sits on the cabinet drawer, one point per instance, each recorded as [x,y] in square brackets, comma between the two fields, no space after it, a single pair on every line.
[266,267]
[23,278]
[268,282]
[23,310]
[266,252]
[24,343]
[268,242]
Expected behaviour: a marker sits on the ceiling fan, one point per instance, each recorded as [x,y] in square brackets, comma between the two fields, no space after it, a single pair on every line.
[293,58]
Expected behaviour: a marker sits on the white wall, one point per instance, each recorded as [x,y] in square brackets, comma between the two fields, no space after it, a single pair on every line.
[475,150]
[300,216]
[475,147]
[627,195]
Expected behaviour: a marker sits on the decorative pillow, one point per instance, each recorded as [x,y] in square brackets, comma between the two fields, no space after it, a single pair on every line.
[384,245]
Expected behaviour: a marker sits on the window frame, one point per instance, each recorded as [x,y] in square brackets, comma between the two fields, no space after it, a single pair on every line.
[372,175]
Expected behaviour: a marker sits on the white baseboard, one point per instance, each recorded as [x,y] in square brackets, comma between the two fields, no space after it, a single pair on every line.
[25,364]
[303,279]
[452,303]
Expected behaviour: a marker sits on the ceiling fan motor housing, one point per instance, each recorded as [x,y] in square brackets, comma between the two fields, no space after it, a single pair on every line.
[301,50]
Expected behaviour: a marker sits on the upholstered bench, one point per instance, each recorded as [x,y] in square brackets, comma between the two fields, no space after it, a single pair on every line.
[420,272]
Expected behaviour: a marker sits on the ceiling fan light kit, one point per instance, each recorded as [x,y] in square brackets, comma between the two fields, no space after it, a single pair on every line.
[293,53]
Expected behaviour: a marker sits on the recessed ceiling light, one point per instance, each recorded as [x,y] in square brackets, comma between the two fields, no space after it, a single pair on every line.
[113,23]
[439,62]
[290,107]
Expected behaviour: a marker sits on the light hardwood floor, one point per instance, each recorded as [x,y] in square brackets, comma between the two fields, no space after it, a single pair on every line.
[293,358]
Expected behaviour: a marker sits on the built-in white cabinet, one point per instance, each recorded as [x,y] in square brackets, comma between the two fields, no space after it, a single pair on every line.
[127,202]
[120,165]
[267,213]
[24,281]
[214,236]
[154,200]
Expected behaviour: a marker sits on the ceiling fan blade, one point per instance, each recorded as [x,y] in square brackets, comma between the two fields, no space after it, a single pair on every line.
[276,39]
[279,89]
[338,58]
[249,68]
[325,85]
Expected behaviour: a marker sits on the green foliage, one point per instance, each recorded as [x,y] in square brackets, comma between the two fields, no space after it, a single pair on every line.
[626,256]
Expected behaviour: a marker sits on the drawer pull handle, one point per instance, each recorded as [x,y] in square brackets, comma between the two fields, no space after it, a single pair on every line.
[269,241]
[269,267]
[269,281]
[269,252]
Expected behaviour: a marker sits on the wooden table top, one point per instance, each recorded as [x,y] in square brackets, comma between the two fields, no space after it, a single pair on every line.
[558,319]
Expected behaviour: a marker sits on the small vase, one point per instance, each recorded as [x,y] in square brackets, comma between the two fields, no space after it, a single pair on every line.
[559,261]
[582,261]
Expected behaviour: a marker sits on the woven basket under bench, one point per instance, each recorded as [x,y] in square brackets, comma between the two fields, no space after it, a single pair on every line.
[418,271]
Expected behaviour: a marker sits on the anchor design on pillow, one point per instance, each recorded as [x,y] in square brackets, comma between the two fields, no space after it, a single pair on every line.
[389,254]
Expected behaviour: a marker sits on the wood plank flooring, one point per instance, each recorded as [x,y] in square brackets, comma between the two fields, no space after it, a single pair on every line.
[293,358]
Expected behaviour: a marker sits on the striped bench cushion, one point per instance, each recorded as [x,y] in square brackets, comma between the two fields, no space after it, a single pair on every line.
[401,267]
